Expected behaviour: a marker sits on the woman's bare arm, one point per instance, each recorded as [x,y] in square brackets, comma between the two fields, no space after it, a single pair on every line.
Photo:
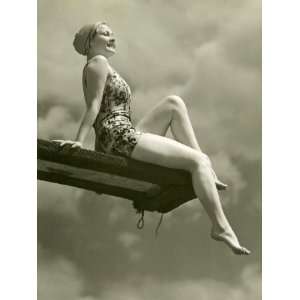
[96,73]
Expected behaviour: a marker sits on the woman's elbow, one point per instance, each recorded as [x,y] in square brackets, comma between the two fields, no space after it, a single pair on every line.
[91,114]
[93,108]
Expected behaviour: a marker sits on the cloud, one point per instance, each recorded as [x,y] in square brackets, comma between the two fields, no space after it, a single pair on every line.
[128,239]
[248,288]
[60,279]
[224,103]
[241,38]
[117,212]
[57,123]
[57,198]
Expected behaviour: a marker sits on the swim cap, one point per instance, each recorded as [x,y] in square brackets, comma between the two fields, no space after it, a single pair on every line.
[83,37]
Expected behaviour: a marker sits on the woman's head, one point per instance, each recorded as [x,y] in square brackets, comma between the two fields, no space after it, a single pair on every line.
[94,39]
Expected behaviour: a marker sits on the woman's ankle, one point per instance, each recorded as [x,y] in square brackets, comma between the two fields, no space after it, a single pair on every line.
[220,228]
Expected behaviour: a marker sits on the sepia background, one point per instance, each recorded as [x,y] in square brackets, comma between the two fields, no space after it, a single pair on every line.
[209,53]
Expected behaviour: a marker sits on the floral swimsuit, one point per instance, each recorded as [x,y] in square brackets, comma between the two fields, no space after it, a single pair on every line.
[114,131]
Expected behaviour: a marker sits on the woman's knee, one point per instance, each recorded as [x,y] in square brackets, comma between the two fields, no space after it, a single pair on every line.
[199,162]
[175,103]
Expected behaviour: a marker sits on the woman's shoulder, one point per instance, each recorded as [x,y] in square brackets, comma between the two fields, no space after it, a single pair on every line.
[97,59]
[98,65]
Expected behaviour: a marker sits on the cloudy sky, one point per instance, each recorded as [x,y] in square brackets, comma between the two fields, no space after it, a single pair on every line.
[209,53]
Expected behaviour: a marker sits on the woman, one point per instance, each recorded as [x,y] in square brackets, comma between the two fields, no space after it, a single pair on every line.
[108,98]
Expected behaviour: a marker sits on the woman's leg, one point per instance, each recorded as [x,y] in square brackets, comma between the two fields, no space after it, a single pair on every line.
[172,113]
[169,153]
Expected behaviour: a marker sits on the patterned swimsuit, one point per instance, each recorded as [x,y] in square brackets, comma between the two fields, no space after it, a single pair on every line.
[114,131]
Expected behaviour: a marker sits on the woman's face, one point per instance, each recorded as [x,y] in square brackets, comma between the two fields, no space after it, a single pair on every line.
[104,41]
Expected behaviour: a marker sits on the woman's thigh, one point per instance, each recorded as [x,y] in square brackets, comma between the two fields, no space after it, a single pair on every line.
[157,120]
[165,152]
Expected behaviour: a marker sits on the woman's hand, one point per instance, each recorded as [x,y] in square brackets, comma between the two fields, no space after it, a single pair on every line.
[74,144]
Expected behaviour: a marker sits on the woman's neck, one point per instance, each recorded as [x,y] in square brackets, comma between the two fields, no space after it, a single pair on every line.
[92,53]
[91,57]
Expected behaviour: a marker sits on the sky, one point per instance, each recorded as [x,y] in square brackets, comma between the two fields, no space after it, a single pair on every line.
[209,53]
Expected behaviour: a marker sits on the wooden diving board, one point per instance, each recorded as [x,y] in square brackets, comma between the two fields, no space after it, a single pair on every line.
[150,187]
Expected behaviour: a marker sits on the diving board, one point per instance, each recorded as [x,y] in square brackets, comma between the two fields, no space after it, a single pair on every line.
[150,187]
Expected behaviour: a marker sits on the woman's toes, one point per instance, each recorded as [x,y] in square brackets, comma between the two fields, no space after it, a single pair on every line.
[246,251]
[220,183]
[241,250]
[230,239]
[221,186]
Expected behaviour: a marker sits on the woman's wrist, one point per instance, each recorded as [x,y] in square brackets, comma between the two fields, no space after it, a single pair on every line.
[83,130]
[78,140]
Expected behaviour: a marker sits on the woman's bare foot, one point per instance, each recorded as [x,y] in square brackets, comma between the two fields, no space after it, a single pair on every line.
[230,239]
[220,185]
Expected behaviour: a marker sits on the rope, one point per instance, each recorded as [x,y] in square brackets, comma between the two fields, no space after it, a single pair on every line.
[140,224]
[158,225]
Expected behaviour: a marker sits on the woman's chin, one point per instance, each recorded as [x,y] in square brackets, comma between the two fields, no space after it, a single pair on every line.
[110,51]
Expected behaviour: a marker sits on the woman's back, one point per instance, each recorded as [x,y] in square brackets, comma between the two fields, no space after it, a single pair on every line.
[116,94]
